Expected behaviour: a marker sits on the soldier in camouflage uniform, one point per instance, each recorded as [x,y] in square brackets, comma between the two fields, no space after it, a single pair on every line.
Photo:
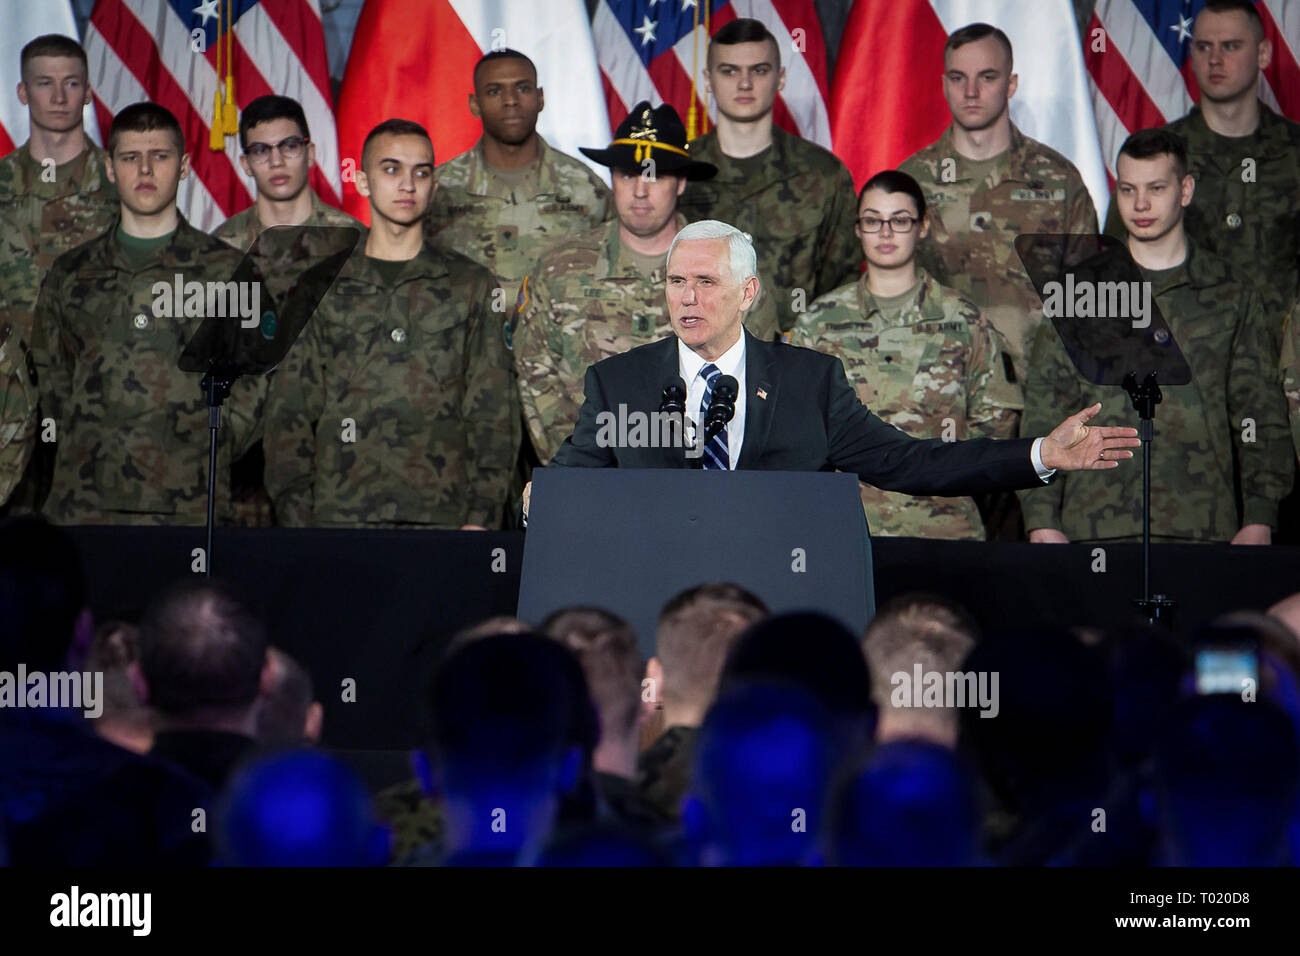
[696,631]
[396,407]
[1291,372]
[503,202]
[54,194]
[795,198]
[920,355]
[1233,409]
[1244,157]
[279,154]
[602,292]
[986,183]
[17,410]
[131,429]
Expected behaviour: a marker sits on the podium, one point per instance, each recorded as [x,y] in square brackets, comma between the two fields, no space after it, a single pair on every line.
[629,539]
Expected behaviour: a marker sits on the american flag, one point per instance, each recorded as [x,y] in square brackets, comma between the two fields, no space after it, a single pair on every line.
[146,50]
[649,49]
[1141,75]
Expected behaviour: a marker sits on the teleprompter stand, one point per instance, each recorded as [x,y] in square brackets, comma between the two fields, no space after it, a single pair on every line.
[291,268]
[1145,397]
[635,537]
[1115,335]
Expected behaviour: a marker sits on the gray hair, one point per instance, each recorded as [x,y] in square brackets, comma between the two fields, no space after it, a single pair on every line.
[744,261]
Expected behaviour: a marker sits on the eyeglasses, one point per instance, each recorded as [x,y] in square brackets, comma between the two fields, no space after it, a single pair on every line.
[896,223]
[290,148]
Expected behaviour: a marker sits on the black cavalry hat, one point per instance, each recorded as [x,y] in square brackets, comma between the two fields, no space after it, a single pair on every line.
[652,133]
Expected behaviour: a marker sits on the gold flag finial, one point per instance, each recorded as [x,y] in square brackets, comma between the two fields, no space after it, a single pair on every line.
[216,133]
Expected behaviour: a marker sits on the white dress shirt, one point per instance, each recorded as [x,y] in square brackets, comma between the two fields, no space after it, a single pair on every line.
[730,362]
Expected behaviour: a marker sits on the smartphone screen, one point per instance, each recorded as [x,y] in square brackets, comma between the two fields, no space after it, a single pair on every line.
[1225,670]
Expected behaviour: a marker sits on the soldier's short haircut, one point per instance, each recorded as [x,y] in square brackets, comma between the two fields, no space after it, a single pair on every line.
[52,44]
[1238,6]
[114,649]
[895,181]
[201,646]
[271,107]
[606,646]
[1148,143]
[916,629]
[693,640]
[714,591]
[743,258]
[745,30]
[493,56]
[282,715]
[145,118]
[978,31]
[393,127]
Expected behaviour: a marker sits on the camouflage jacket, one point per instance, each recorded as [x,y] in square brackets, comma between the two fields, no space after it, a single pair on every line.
[585,301]
[973,225]
[507,228]
[1246,207]
[416,821]
[664,769]
[242,229]
[17,409]
[1233,408]
[800,209]
[934,371]
[397,406]
[1291,372]
[131,439]
[40,220]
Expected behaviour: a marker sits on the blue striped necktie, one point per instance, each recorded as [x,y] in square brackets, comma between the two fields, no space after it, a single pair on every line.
[715,452]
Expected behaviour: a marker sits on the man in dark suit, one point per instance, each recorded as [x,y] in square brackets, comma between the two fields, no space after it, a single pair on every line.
[795,410]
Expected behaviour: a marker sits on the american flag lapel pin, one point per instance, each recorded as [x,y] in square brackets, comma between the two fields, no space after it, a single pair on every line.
[761,393]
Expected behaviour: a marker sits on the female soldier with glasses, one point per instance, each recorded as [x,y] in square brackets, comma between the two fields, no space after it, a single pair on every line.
[918,353]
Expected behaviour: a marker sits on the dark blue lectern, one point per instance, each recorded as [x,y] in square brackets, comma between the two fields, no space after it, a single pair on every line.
[628,539]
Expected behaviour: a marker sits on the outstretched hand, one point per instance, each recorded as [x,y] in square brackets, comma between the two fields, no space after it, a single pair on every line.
[1074,446]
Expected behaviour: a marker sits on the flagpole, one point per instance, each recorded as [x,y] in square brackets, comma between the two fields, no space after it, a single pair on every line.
[695,73]
[230,112]
[216,131]
[704,121]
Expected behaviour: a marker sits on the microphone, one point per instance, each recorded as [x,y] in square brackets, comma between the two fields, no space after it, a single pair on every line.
[722,405]
[674,397]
